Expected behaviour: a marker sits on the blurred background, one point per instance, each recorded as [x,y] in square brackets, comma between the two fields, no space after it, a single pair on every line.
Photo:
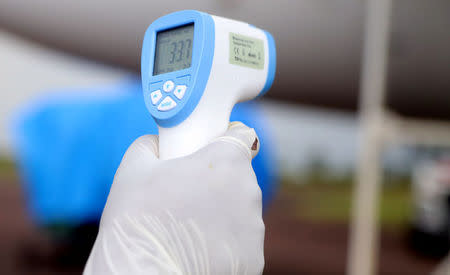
[71,104]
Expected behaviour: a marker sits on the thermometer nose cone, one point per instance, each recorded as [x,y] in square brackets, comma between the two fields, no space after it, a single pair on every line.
[272,63]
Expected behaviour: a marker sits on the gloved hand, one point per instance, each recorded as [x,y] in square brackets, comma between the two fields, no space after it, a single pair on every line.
[199,214]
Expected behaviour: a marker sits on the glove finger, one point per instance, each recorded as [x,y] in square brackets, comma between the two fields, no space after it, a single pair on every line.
[145,147]
[243,136]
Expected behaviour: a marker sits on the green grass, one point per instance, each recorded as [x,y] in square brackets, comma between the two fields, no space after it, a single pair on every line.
[331,202]
[323,199]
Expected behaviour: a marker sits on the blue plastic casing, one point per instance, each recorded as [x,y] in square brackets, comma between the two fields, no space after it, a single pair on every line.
[272,64]
[194,77]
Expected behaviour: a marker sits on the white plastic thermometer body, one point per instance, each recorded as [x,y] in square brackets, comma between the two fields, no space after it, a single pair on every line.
[239,72]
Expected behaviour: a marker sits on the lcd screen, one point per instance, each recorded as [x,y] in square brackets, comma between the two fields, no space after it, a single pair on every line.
[173,49]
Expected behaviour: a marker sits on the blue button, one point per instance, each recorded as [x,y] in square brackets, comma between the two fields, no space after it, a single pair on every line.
[179,91]
[168,86]
[156,96]
[167,104]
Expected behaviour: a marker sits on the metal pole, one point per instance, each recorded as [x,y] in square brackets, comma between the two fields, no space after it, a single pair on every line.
[364,231]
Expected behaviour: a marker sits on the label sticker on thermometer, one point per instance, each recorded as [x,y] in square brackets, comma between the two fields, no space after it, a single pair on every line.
[246,51]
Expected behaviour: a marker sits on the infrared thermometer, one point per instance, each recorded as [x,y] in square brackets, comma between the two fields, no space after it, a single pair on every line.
[195,67]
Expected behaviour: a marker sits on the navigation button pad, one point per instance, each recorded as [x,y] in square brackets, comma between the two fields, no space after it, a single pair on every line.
[167,95]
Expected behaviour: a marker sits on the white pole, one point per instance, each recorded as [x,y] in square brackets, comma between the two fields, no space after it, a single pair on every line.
[364,231]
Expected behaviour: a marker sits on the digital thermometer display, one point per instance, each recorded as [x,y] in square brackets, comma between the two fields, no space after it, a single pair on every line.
[173,50]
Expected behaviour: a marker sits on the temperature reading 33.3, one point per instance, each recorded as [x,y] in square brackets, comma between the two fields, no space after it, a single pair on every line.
[173,49]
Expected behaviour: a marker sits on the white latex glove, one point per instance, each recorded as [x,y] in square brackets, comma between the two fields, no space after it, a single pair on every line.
[200,214]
